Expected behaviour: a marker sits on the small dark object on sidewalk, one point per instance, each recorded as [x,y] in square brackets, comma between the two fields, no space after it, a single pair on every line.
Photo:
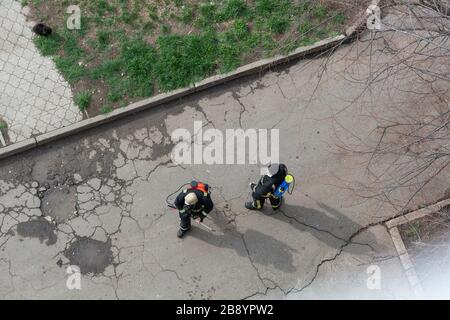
[42,30]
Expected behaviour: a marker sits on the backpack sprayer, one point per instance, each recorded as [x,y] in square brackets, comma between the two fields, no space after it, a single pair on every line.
[285,186]
[194,185]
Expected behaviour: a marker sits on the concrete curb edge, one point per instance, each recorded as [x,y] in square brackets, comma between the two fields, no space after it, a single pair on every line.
[400,247]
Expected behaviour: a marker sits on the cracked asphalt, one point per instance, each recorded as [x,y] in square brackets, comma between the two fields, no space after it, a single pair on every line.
[97,200]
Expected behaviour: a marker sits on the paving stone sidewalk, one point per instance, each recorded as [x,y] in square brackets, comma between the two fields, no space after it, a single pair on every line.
[34,97]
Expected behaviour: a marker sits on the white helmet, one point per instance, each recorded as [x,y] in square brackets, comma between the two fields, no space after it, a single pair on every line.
[191,199]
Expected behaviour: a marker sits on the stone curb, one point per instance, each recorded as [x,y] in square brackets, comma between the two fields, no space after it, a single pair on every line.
[246,70]
[407,265]
[405,259]
[417,214]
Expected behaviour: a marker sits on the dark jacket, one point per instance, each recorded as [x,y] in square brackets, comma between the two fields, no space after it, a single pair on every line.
[268,185]
[204,203]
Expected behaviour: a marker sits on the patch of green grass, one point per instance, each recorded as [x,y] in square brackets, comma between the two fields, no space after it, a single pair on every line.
[322,33]
[239,30]
[268,43]
[70,68]
[106,109]
[139,60]
[412,231]
[114,96]
[230,53]
[178,3]
[127,16]
[107,69]
[48,46]
[320,11]
[207,16]
[70,63]
[232,9]
[165,29]
[3,124]
[278,24]
[111,71]
[153,13]
[233,44]
[187,15]
[267,8]
[134,46]
[130,75]
[185,59]
[83,100]
[103,7]
[339,18]
[306,41]
[305,27]
[273,16]
[148,27]
[208,10]
[103,38]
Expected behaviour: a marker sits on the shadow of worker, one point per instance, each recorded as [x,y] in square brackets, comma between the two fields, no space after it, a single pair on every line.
[329,226]
[262,249]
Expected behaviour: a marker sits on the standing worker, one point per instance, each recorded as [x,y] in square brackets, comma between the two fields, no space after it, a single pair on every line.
[271,186]
[193,202]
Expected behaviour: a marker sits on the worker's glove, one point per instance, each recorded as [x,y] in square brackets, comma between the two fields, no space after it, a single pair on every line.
[203,216]
[252,186]
[185,212]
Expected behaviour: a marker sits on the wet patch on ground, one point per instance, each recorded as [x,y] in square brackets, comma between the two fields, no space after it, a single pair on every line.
[59,203]
[38,228]
[91,256]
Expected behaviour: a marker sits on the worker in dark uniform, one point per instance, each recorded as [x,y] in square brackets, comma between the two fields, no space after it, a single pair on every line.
[194,202]
[267,186]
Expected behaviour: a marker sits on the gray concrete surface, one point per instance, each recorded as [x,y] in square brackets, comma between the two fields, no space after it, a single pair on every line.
[104,191]
[35,98]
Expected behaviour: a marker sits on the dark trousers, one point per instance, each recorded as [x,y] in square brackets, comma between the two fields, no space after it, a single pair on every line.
[258,202]
[185,220]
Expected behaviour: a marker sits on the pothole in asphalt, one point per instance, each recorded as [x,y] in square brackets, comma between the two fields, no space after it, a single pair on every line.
[40,229]
[91,256]
[59,203]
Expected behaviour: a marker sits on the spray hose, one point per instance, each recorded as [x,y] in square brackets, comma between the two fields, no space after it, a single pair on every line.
[292,185]
[169,204]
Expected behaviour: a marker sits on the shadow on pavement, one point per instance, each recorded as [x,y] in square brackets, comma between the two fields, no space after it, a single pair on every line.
[262,249]
[328,225]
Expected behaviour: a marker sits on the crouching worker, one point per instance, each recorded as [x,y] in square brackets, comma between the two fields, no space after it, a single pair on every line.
[267,188]
[194,202]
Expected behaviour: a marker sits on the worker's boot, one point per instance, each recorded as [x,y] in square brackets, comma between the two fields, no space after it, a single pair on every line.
[181,233]
[249,206]
[276,204]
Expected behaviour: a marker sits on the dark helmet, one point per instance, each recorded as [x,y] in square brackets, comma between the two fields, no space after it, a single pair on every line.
[276,168]
[278,172]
